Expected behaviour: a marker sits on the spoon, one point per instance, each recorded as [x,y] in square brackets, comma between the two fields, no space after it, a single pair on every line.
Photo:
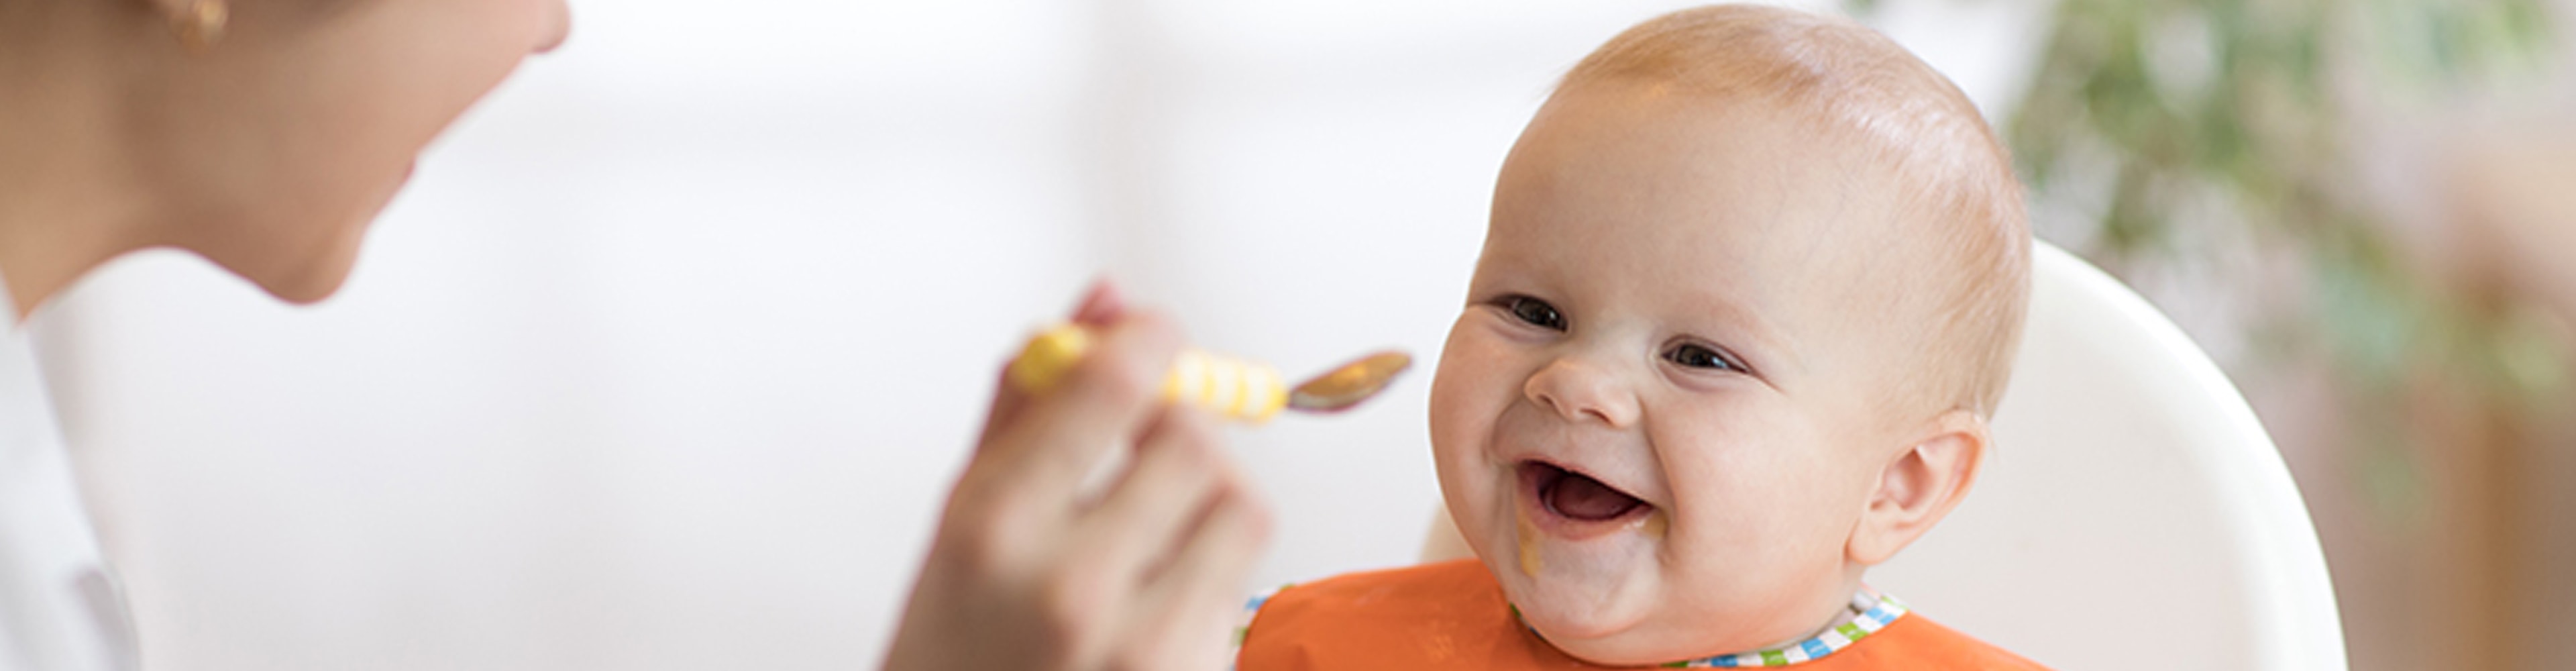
[1232,388]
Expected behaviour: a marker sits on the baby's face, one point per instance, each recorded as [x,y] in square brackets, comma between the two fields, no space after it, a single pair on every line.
[1659,418]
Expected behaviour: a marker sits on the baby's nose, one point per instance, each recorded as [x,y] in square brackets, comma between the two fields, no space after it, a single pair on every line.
[1580,390]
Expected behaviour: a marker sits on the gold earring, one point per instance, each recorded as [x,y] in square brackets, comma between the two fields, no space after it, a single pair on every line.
[201,25]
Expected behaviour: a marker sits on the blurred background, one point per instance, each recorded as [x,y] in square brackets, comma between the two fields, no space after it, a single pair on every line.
[669,353]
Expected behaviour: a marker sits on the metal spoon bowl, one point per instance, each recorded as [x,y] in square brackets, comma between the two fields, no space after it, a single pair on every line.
[1346,386]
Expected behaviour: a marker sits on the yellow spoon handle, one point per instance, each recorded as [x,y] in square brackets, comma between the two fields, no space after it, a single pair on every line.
[1232,388]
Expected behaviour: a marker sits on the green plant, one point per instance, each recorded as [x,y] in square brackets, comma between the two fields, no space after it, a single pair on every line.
[2153,127]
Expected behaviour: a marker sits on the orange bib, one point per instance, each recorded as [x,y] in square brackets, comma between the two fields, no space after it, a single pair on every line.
[1453,616]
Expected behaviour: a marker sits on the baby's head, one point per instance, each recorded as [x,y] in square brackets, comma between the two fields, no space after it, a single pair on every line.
[1751,289]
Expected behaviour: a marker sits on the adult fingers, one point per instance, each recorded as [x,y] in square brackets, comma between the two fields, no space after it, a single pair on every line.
[1183,619]
[1101,305]
[1209,570]
[1054,439]
[1139,521]
[1133,528]
[1008,402]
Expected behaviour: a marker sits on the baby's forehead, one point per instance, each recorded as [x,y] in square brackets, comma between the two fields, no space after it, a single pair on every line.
[1734,182]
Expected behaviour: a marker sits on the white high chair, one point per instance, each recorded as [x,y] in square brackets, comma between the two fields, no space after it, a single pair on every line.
[2132,514]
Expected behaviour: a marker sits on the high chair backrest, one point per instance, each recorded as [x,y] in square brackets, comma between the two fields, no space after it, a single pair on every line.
[2132,513]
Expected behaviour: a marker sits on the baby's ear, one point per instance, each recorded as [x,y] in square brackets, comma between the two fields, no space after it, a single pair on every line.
[1919,486]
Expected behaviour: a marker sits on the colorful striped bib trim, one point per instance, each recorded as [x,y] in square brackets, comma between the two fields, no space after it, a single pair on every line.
[1876,611]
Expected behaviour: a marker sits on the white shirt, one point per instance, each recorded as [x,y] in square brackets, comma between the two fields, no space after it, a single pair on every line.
[59,607]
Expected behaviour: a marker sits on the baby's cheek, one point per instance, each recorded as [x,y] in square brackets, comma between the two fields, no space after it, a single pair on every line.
[1466,398]
[1802,524]
[1455,435]
[1734,518]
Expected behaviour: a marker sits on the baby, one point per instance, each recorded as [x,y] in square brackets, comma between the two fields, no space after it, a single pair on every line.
[1750,291]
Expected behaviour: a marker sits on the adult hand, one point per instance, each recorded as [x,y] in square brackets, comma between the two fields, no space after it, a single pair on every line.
[1029,571]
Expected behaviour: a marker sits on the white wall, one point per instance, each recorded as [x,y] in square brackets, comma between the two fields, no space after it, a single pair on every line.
[668,354]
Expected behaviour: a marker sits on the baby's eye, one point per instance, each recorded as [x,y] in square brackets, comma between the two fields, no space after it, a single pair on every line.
[1536,312]
[1697,356]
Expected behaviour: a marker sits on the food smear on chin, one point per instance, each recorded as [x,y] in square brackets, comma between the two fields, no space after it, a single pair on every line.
[1530,563]
[1652,526]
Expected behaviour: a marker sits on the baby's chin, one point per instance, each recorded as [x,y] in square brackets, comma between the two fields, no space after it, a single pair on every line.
[1606,628]
[1618,620]
[1607,597]
[1592,599]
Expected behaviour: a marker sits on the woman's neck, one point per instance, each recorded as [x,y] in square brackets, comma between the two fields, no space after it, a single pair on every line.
[71,193]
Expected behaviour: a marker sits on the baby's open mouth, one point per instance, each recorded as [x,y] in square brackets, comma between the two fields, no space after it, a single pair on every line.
[1575,495]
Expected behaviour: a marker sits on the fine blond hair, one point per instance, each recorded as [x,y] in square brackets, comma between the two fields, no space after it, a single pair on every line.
[1852,82]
